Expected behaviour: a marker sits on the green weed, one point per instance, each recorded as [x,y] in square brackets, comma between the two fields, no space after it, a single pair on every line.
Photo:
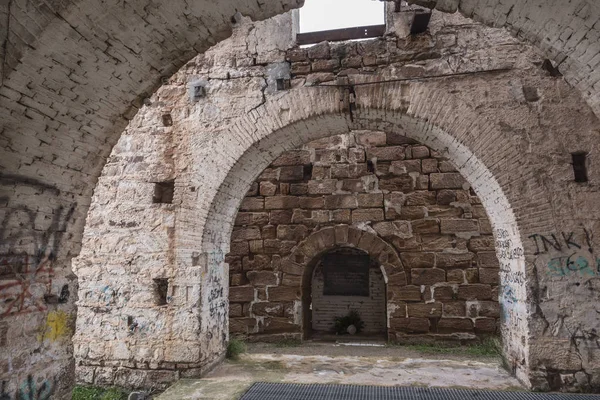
[235,348]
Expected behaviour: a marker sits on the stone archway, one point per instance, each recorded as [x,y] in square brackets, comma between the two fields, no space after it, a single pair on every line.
[301,262]
[73,75]
[473,128]
[390,108]
[473,142]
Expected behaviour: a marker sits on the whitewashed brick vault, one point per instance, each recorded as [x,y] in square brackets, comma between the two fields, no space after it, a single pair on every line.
[73,74]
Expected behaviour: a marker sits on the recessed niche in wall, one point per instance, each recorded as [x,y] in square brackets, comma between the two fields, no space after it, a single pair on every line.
[161,286]
[163,192]
[307,171]
[3,334]
[579,166]
[167,120]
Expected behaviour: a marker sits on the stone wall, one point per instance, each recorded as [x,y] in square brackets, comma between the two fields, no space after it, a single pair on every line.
[509,133]
[403,192]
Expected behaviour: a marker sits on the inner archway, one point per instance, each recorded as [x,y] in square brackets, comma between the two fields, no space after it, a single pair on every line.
[421,233]
[346,295]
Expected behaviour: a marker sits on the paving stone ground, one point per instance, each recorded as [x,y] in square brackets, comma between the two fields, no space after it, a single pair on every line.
[324,363]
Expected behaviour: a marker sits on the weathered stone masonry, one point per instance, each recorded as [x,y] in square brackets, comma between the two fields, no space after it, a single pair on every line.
[509,134]
[73,73]
[443,276]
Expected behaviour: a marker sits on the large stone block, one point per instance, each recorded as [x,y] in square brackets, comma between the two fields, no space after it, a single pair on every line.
[397,184]
[455,309]
[267,309]
[446,181]
[417,260]
[241,294]
[281,202]
[277,217]
[267,188]
[484,243]
[326,186]
[262,278]
[389,153]
[450,325]
[291,174]
[252,218]
[454,260]
[256,262]
[450,226]
[252,204]
[249,233]
[283,293]
[405,167]
[489,275]
[292,232]
[367,214]
[410,325]
[426,226]
[278,325]
[427,276]
[353,185]
[242,325]
[475,292]
[341,201]
[400,229]
[406,293]
[431,310]
[421,198]
[370,200]
[371,139]
[311,202]
[292,157]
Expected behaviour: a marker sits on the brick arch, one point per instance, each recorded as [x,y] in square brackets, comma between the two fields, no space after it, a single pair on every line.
[476,146]
[343,235]
[567,33]
[73,75]
[304,256]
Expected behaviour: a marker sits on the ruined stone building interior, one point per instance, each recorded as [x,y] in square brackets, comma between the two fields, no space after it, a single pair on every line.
[176,176]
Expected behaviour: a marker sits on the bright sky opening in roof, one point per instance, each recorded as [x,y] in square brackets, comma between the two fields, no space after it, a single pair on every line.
[324,15]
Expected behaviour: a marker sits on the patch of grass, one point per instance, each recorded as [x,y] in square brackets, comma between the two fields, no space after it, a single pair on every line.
[97,393]
[272,365]
[235,348]
[289,342]
[488,348]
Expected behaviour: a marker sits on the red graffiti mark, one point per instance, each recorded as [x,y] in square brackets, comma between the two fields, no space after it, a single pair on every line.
[24,277]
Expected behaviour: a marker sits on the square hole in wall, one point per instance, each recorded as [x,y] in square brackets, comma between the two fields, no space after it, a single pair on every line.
[283,84]
[3,334]
[580,166]
[163,192]
[161,287]
[167,120]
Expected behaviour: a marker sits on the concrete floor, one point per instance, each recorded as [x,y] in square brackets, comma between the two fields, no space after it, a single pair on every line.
[331,363]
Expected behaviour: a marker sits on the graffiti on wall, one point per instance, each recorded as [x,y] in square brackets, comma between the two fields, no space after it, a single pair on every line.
[58,326]
[513,280]
[30,238]
[29,389]
[570,253]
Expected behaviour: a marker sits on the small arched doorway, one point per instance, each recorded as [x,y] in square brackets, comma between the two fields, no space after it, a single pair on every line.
[347,288]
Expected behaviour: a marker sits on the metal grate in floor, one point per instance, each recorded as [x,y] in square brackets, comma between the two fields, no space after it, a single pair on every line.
[287,391]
